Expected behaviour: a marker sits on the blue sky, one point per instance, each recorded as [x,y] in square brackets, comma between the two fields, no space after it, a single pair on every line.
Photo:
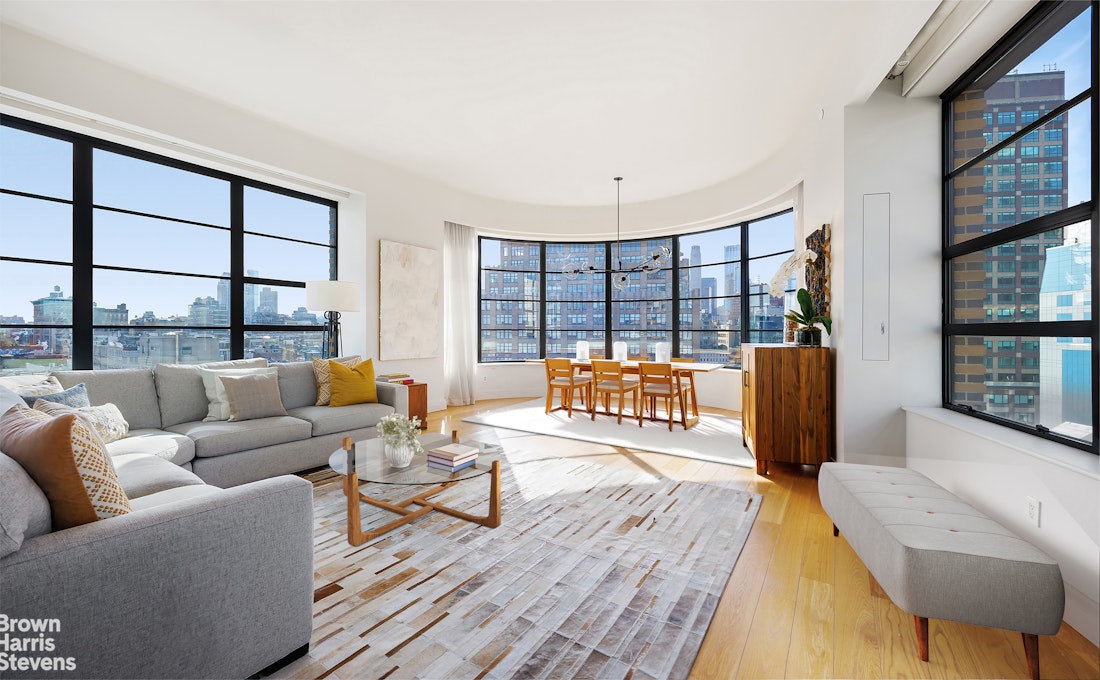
[38,229]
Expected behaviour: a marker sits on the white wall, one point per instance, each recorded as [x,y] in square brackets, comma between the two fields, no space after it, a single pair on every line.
[891,146]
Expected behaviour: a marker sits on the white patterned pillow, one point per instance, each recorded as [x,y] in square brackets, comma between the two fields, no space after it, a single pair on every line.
[106,420]
[47,385]
[68,461]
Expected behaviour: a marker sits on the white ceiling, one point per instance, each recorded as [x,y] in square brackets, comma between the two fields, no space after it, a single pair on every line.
[537,102]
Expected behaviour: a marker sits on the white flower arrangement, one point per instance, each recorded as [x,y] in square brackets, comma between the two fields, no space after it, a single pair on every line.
[396,429]
[778,285]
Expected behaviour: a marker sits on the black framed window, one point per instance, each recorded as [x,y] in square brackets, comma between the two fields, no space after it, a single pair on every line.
[1020,324]
[114,257]
[712,296]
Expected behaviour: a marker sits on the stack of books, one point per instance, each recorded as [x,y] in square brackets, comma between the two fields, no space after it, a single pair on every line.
[401,378]
[452,457]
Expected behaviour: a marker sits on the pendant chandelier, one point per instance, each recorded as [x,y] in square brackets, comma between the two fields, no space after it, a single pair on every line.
[620,276]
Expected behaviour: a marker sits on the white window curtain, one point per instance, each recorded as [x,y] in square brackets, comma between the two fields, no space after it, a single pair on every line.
[459,312]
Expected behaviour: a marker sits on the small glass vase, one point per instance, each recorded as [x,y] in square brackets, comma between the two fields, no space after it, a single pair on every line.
[399,455]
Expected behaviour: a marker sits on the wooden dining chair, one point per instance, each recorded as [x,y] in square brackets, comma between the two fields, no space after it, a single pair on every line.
[560,376]
[608,379]
[660,381]
[687,383]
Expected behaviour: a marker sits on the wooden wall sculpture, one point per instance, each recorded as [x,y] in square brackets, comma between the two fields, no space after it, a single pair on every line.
[817,272]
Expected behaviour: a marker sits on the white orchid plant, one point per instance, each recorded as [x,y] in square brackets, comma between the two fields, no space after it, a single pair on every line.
[397,429]
[778,285]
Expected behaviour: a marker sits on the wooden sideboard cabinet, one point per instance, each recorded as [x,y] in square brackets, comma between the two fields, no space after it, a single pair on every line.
[787,404]
[418,403]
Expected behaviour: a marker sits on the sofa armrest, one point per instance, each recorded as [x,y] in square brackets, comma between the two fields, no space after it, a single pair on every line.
[394,394]
[217,586]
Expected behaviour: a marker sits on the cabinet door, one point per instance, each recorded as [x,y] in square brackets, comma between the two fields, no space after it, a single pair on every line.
[816,438]
[783,398]
[748,399]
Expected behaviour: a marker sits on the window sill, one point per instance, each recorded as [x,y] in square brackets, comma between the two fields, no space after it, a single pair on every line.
[1063,456]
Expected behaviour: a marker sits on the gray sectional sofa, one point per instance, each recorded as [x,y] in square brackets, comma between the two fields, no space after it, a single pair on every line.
[211,574]
[165,408]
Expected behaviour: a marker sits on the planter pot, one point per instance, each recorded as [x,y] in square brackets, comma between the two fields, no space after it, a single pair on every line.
[809,337]
[399,455]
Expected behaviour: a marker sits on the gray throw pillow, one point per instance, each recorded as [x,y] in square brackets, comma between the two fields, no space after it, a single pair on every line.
[74,397]
[253,396]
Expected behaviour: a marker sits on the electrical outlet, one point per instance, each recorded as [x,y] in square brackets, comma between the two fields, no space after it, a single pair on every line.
[1034,507]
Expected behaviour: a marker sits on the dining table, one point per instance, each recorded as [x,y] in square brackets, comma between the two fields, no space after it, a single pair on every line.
[686,369]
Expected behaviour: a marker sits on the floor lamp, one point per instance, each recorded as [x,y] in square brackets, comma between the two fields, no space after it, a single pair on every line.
[333,297]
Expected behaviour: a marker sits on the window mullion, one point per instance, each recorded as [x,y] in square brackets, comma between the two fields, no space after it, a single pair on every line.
[236,270]
[83,294]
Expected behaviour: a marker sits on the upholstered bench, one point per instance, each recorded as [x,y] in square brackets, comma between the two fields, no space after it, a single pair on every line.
[937,557]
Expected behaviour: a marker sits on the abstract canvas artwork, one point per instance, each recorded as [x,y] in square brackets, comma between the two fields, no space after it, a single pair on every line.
[410,293]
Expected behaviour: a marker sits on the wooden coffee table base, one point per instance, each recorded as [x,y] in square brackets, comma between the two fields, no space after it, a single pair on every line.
[356,535]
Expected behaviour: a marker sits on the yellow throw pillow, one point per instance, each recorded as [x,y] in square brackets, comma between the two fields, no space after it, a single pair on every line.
[323,376]
[68,461]
[353,385]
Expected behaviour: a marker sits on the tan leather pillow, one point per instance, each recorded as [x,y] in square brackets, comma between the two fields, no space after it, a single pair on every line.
[323,375]
[66,459]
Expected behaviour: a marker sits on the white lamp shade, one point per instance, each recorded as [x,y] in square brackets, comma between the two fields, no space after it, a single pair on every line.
[332,296]
[618,351]
[663,353]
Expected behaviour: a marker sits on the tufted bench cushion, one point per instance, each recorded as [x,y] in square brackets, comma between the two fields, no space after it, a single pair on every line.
[937,557]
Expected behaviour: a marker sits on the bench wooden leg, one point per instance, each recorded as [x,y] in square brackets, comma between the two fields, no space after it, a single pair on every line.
[922,636]
[1031,651]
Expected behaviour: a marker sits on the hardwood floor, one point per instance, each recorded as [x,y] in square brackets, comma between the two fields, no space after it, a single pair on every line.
[800,603]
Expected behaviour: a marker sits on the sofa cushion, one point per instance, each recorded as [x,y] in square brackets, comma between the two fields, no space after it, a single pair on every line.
[327,420]
[130,389]
[173,495]
[253,396]
[180,390]
[106,419]
[323,375]
[141,474]
[218,398]
[222,437]
[353,385]
[66,459]
[75,397]
[24,509]
[297,384]
[171,446]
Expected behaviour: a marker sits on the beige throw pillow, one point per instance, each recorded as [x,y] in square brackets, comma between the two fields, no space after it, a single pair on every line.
[67,460]
[47,385]
[253,396]
[215,391]
[107,421]
[323,375]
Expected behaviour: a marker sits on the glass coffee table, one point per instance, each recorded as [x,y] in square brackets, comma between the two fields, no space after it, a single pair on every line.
[367,462]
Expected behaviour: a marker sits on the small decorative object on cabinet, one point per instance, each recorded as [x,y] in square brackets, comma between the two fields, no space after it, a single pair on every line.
[418,403]
[807,318]
[787,404]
